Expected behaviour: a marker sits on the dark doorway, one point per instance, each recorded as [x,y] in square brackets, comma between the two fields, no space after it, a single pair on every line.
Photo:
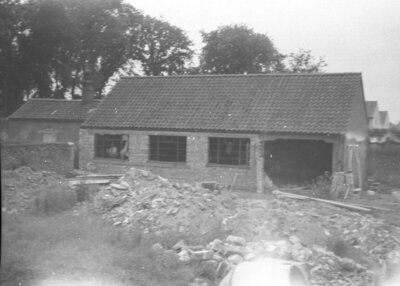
[289,161]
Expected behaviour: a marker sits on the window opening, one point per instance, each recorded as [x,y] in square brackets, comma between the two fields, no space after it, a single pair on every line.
[229,151]
[112,146]
[167,148]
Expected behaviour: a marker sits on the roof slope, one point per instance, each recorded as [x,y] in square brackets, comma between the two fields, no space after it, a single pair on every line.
[311,103]
[55,109]
[371,106]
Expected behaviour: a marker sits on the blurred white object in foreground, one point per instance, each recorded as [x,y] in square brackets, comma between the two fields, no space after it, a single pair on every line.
[266,271]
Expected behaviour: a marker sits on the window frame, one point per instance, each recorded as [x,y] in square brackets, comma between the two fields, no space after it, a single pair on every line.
[159,145]
[242,151]
[104,142]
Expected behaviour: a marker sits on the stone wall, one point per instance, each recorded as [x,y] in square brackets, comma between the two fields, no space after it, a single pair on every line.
[384,163]
[58,157]
[196,167]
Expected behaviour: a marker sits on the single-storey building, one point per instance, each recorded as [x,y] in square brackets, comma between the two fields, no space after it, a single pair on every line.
[384,120]
[377,119]
[43,120]
[231,128]
[374,121]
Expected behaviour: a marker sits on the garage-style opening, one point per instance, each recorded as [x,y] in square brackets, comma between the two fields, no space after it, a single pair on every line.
[292,161]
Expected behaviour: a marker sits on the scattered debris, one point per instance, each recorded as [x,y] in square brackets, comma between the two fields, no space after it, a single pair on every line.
[300,197]
[325,268]
[338,246]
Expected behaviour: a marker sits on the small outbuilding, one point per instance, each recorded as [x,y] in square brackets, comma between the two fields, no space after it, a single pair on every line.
[42,120]
[231,128]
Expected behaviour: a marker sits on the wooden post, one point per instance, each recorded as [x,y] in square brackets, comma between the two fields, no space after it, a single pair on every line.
[358,159]
[259,158]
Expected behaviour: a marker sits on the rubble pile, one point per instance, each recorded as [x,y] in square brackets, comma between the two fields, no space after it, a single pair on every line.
[155,204]
[19,187]
[303,231]
[324,267]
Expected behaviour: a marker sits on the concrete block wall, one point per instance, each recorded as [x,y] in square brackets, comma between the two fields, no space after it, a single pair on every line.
[196,167]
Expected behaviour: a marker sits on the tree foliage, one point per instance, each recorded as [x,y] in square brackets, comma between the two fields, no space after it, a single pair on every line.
[163,48]
[47,44]
[236,49]
[65,36]
[303,62]
[13,76]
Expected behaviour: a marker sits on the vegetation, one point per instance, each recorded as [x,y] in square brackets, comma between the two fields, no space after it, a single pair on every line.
[163,49]
[80,246]
[47,47]
[236,49]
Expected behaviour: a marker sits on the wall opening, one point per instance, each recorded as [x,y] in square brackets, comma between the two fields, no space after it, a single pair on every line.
[292,161]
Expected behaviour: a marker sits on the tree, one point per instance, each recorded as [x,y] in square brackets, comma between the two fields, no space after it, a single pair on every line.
[13,75]
[69,35]
[236,49]
[163,48]
[303,62]
[46,45]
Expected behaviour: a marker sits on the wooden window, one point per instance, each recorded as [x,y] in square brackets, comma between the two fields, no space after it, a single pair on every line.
[111,146]
[167,148]
[228,151]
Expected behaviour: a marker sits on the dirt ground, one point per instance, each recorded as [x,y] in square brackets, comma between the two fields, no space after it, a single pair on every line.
[338,246]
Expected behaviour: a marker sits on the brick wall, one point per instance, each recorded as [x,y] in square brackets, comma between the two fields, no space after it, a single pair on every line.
[58,157]
[196,167]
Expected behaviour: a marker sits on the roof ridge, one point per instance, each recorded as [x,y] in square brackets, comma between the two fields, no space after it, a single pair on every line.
[243,75]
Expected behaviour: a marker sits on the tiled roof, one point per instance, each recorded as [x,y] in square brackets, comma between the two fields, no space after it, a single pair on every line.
[55,109]
[382,116]
[310,103]
[371,106]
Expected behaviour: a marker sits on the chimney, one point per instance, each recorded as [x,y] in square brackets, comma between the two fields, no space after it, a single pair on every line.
[88,91]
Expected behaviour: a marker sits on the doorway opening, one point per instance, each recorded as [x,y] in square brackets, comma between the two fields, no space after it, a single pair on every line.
[295,161]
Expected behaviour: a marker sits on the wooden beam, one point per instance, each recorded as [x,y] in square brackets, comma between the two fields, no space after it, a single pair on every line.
[335,203]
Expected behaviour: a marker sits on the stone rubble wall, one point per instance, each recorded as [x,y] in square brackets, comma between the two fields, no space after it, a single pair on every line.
[57,157]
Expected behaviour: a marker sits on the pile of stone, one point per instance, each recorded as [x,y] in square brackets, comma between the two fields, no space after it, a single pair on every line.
[141,198]
[297,230]
[21,186]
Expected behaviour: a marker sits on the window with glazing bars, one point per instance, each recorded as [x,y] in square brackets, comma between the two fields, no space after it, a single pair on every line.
[111,146]
[228,151]
[167,148]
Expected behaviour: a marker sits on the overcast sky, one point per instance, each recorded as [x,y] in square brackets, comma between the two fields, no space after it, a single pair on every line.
[351,35]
